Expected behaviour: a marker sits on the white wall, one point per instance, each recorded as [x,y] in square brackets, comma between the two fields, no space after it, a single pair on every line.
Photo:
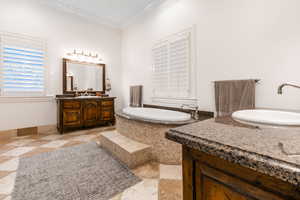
[62,32]
[236,39]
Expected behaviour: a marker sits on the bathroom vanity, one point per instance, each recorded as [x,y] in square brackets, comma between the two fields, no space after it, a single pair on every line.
[84,103]
[84,112]
[224,162]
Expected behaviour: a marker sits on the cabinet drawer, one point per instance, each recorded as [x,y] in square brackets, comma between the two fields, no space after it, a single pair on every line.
[71,104]
[107,115]
[107,103]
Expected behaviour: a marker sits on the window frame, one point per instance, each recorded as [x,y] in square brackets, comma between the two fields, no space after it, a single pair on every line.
[31,96]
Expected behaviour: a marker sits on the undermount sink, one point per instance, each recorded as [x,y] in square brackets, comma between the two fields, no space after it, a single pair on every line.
[85,97]
[273,118]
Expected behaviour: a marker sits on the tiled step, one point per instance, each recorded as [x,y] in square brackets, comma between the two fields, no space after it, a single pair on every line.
[130,152]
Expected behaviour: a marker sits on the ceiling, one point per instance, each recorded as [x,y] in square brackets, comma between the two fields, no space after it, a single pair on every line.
[116,13]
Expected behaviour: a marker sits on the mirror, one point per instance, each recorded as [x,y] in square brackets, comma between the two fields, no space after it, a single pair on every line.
[83,76]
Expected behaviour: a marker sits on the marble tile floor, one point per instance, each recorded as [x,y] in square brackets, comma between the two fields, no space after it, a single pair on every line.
[159,182]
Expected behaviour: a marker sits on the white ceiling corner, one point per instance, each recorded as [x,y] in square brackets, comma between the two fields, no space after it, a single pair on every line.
[114,13]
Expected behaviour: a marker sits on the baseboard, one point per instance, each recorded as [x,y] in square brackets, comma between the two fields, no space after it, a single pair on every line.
[27,131]
[47,128]
[8,134]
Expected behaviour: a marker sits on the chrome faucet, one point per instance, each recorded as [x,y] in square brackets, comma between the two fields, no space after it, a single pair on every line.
[195,110]
[286,84]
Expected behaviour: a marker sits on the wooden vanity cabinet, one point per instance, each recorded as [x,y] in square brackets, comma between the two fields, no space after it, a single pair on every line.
[84,113]
[206,177]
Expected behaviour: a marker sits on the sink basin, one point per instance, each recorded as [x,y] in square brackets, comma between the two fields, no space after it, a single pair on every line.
[87,97]
[273,118]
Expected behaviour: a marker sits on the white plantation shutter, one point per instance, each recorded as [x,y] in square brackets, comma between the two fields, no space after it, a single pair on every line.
[161,69]
[22,67]
[171,75]
[179,83]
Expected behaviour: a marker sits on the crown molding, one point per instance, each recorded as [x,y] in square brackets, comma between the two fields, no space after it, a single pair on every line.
[72,9]
[154,4]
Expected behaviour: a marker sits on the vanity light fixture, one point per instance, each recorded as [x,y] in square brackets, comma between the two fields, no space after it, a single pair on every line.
[82,56]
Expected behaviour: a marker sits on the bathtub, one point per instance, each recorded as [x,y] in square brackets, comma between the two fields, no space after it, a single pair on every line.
[148,126]
[158,115]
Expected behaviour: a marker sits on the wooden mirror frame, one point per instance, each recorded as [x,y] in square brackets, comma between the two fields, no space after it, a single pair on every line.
[65,61]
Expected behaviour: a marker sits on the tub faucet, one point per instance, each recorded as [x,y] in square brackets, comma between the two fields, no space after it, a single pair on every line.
[286,84]
[195,110]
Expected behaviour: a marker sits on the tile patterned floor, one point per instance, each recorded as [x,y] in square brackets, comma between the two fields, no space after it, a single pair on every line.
[159,182]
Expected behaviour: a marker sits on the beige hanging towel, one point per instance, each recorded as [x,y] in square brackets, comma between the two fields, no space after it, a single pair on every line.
[234,95]
[136,96]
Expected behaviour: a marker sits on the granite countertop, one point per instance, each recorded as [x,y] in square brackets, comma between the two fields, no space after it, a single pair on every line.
[259,149]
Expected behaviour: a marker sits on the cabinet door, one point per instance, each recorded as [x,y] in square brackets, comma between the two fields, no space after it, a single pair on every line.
[214,184]
[213,190]
[72,117]
[90,113]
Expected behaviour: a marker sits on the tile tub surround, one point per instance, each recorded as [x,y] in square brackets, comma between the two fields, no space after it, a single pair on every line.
[163,150]
[257,149]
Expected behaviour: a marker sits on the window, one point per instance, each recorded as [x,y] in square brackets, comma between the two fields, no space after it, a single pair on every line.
[22,65]
[172,67]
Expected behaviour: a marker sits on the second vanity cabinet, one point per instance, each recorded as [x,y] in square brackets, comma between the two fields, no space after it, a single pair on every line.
[74,113]
[207,177]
